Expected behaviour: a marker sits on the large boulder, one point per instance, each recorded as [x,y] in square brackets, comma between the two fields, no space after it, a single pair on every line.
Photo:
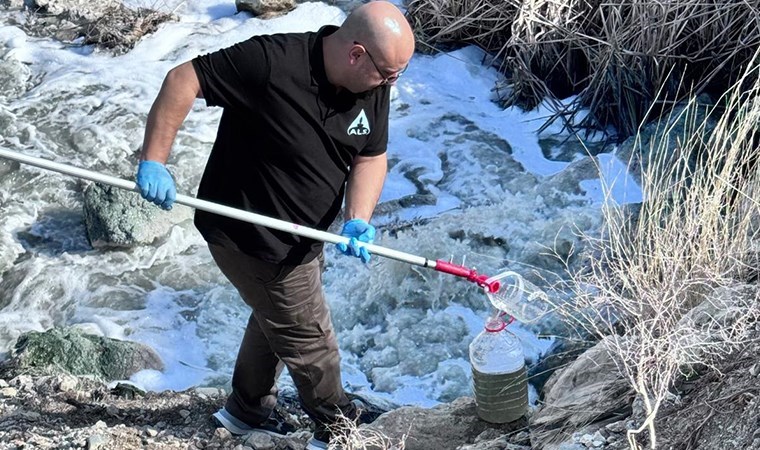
[590,389]
[70,350]
[119,218]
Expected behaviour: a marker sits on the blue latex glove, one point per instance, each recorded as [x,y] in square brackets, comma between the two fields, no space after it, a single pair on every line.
[358,231]
[156,184]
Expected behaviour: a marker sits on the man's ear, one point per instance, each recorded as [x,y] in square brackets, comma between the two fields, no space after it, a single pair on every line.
[355,53]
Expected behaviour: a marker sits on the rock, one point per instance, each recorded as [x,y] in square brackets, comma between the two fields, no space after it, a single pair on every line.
[561,352]
[588,389]
[107,24]
[586,440]
[222,434]
[83,9]
[8,392]
[65,350]
[208,392]
[371,407]
[12,4]
[446,426]
[127,389]
[666,136]
[67,383]
[260,441]
[118,218]
[345,5]
[265,8]
[122,29]
[721,310]
[97,441]
[567,182]
[616,427]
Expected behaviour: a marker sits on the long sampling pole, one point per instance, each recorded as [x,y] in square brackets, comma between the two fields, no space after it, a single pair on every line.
[471,275]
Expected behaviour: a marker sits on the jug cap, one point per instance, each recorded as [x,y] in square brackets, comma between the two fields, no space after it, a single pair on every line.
[495,324]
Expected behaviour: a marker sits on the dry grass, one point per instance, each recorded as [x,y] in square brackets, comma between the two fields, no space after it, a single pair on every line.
[618,57]
[677,289]
[347,435]
[122,28]
[110,25]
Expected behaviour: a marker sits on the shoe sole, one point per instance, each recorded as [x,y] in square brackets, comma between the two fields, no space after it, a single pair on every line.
[229,426]
[237,431]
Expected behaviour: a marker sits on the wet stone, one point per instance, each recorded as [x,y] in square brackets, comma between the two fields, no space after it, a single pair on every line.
[97,441]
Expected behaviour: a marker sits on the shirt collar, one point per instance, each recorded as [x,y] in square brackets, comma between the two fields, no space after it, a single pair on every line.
[316,56]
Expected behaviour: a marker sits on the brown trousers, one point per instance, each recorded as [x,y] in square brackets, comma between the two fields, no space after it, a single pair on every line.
[290,325]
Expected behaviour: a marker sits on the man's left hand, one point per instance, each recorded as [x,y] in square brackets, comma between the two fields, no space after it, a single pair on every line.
[357,230]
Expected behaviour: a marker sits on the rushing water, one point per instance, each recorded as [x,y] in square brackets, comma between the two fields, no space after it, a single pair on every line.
[468,180]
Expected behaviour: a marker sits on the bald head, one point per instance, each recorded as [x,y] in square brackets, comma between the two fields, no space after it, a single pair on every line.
[375,33]
[382,24]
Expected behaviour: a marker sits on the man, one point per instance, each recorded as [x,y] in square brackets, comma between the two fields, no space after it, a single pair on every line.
[305,121]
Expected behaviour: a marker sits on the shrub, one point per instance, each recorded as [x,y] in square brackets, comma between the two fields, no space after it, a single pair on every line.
[674,288]
[626,61]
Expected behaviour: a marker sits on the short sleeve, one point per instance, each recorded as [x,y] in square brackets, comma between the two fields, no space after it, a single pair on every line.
[234,76]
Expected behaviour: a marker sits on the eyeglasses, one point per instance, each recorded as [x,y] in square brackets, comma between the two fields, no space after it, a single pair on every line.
[386,79]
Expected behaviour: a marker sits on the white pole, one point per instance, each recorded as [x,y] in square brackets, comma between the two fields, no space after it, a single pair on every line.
[222,210]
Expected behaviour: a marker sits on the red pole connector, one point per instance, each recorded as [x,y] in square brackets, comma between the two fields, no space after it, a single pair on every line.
[470,274]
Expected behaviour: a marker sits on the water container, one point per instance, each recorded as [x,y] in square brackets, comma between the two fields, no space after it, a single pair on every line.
[498,374]
[518,297]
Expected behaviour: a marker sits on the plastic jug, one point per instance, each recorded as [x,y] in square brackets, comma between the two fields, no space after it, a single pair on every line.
[519,298]
[498,373]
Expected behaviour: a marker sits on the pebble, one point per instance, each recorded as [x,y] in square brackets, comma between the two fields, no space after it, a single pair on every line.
[222,434]
[260,441]
[100,425]
[599,439]
[151,432]
[586,440]
[616,427]
[184,413]
[23,382]
[207,392]
[3,383]
[96,441]
[68,383]
[8,392]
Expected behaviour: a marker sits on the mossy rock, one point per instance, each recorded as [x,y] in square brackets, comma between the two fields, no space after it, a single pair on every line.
[69,350]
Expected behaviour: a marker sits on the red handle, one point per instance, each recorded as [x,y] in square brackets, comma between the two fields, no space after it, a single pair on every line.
[470,274]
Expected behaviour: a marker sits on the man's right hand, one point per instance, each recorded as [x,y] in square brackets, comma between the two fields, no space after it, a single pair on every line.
[156,184]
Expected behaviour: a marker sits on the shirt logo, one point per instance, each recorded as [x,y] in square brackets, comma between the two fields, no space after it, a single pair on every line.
[360,125]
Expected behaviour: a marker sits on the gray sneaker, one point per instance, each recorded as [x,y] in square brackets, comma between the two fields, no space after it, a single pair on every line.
[273,425]
[316,444]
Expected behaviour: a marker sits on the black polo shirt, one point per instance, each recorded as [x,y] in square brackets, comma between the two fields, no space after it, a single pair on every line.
[285,142]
